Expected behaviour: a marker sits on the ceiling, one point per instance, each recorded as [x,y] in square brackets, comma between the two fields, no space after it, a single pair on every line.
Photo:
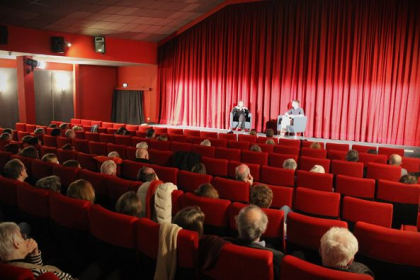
[144,20]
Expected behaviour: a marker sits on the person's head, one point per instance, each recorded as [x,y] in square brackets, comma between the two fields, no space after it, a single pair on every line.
[50,157]
[269,132]
[146,174]
[290,164]
[81,189]
[122,131]
[338,247]
[270,142]
[261,195]
[255,148]
[114,154]
[252,132]
[150,133]
[94,128]
[295,104]
[5,136]
[39,130]
[162,138]
[142,145]
[352,156]
[26,139]
[129,204]
[395,160]
[64,126]
[206,143]
[68,147]
[72,163]
[109,167]
[142,154]
[33,141]
[317,169]
[29,152]
[56,132]
[315,145]
[16,170]
[70,134]
[52,183]
[372,151]
[252,223]
[199,168]
[53,125]
[12,245]
[408,179]
[11,148]
[242,173]
[240,104]
[190,218]
[77,128]
[207,190]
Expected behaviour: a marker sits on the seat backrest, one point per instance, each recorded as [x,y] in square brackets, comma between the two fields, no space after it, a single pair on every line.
[255,157]
[231,189]
[228,153]
[130,153]
[286,150]
[41,169]
[315,181]
[342,167]
[86,122]
[253,167]
[379,171]
[175,131]
[313,153]
[190,132]
[92,136]
[317,203]
[306,163]
[107,124]
[295,268]
[117,187]
[218,142]
[178,146]
[135,140]
[106,138]
[96,179]
[4,158]
[122,140]
[189,181]
[266,148]
[281,196]
[215,167]
[195,139]
[247,138]
[33,201]
[81,145]
[67,175]
[262,139]
[356,187]
[204,151]
[367,158]
[242,145]
[12,272]
[277,176]
[277,160]
[390,151]
[162,158]
[160,130]
[376,213]
[120,149]
[338,155]
[160,145]
[50,141]
[209,134]
[166,174]
[228,136]
[69,212]
[8,191]
[87,161]
[65,155]
[363,149]
[177,138]
[130,169]
[307,144]
[97,148]
[411,164]
[338,147]
[289,142]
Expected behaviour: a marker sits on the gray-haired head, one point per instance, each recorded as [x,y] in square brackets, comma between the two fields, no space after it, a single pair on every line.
[252,223]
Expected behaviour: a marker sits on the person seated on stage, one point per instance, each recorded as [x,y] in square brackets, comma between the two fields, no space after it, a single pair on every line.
[50,157]
[396,160]
[56,132]
[206,190]
[52,183]
[16,251]
[142,155]
[199,168]
[72,163]
[317,169]
[337,249]
[269,133]
[242,173]
[109,167]
[68,147]
[81,189]
[270,142]
[315,145]
[409,179]
[122,131]
[142,145]
[290,164]
[5,137]
[150,133]
[190,218]
[129,204]
[253,132]
[29,152]
[16,170]
[240,114]
[352,156]
[296,110]
[162,138]
[206,143]
[64,126]
[70,134]
[255,148]
[146,174]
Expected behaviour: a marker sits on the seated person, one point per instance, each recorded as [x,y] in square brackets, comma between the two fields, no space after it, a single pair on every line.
[286,120]
[352,156]
[115,156]
[206,190]
[270,142]
[50,157]
[409,179]
[150,133]
[16,170]
[252,132]
[315,145]
[39,130]
[11,148]
[129,204]
[372,152]
[70,134]
[146,174]
[64,126]
[5,136]
[52,183]
[396,160]
[269,132]
[142,155]
[72,163]
[68,147]
[122,131]
[190,218]
[56,132]
[77,128]
[16,251]
[142,145]
[162,138]
[81,189]
[255,148]
[337,250]
[206,143]
[290,164]
[240,115]
[199,168]
[242,173]
[53,125]
[317,169]
[109,167]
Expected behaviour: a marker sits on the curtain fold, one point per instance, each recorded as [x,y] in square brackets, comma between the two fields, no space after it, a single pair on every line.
[127,106]
[353,64]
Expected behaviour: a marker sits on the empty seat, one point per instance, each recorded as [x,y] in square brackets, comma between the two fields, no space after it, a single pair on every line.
[160,130]
[189,182]
[356,187]
[253,167]
[30,127]
[204,151]
[306,163]
[281,196]
[166,174]
[179,146]
[178,138]
[342,167]
[41,169]
[140,133]
[160,145]
[228,136]
[81,145]
[247,138]
[317,203]
[190,132]
[362,149]
[130,153]
[289,142]
[277,160]
[106,138]
[130,169]
[367,158]
[286,150]
[215,167]
[50,141]
[242,145]
[390,253]
[277,176]
[175,131]
[4,158]
[231,189]
[118,125]
[65,155]
[158,157]
[267,148]
[92,136]
[86,161]
[8,198]
[85,122]
[411,164]
[260,158]
[228,153]
[338,155]
[314,153]
[97,148]
[338,147]
[383,171]
[390,151]
[209,134]
[122,140]
[107,124]
[120,149]
[315,181]
[61,141]
[132,127]
[20,126]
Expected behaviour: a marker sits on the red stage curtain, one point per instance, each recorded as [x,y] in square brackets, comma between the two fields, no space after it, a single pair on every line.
[353,64]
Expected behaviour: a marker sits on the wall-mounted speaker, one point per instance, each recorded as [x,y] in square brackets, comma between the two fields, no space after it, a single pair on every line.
[4,34]
[57,44]
[100,44]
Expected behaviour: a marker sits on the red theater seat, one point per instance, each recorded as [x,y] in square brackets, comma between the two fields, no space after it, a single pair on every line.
[160,130]
[117,187]
[33,201]
[61,141]
[178,146]
[368,158]
[306,163]
[20,126]
[260,158]
[130,169]
[189,132]
[289,142]
[383,171]
[98,123]
[338,147]
[362,149]
[96,179]
[315,181]
[97,148]
[106,138]
[231,189]
[178,138]
[230,136]
[160,145]
[31,127]
[8,198]
[122,140]
[341,167]
[12,272]
[87,161]
[120,149]
[338,155]
[65,155]
[132,127]
[242,145]
[204,151]
[189,182]
[69,212]
[411,164]
[195,139]
[162,158]
[135,140]
[317,204]
[229,154]
[266,148]
[130,153]
[262,139]
[67,175]
[166,174]
[314,153]
[209,134]
[356,187]
[22,134]
[140,133]
[81,145]
[277,160]
[86,122]
[47,150]
[277,176]
[286,150]
[175,131]
[307,144]
[107,124]
[92,136]
[281,196]
[4,158]
[215,167]
[41,169]
[218,142]
[50,141]
[253,167]
[390,151]
[117,125]
[247,138]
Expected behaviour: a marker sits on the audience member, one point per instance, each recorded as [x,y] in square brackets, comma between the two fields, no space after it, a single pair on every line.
[68,147]
[32,141]
[94,128]
[8,130]
[26,139]
[317,169]
[52,125]
[242,173]
[338,248]
[162,138]
[262,196]
[29,152]
[122,131]
[77,128]
[81,189]
[396,160]
[290,164]
[199,168]
[146,174]
[56,132]
[206,142]
[252,132]
[5,137]
[52,183]
[64,126]
[16,170]
[352,156]
[39,131]
[129,204]
[72,163]
[190,218]
[150,133]
[50,157]
[372,151]
[70,134]
[142,145]
[255,148]
[115,156]
[142,155]
[270,142]
[207,190]
[269,132]
[109,167]
[11,148]
[408,179]
[315,145]
[16,251]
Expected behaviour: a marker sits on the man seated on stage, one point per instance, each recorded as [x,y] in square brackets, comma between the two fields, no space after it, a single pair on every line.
[295,111]
[240,114]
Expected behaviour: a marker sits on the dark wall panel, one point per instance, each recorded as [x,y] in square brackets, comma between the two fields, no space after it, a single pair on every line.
[43,97]
[9,111]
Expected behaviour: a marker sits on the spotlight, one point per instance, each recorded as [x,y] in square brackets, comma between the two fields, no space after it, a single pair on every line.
[35,63]
[125,85]
[68,44]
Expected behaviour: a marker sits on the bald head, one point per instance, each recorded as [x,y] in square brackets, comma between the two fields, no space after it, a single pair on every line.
[252,223]
[395,160]
[142,153]
[146,174]
[242,173]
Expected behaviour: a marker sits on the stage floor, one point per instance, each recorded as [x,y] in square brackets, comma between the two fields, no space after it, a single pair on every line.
[408,150]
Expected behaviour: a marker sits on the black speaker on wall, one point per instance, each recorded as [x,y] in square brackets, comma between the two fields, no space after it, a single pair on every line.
[4,34]
[57,44]
[100,44]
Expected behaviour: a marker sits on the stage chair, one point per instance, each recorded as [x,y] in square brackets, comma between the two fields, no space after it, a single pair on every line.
[215,167]
[248,121]
[255,157]
[313,153]
[286,150]
[338,147]
[379,171]
[306,163]
[228,153]
[297,124]
[242,145]
[253,167]
[277,176]
[231,189]
[189,182]
[342,167]
[276,160]
[317,203]
[356,187]
[315,181]
[390,151]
